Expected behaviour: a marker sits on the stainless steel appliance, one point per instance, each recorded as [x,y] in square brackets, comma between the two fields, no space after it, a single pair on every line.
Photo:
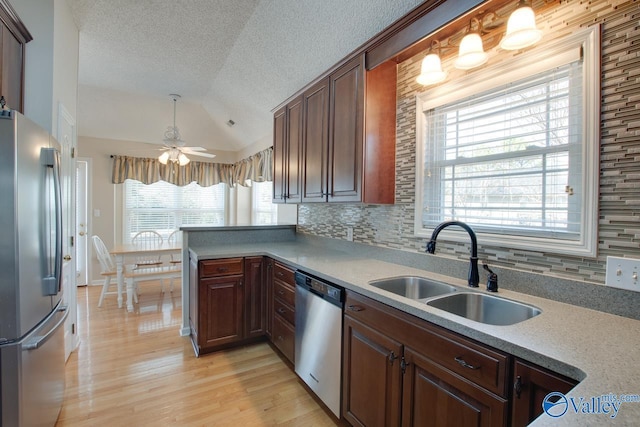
[318,354]
[31,311]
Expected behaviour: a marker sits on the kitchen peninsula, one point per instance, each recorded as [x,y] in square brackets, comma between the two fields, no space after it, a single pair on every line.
[595,348]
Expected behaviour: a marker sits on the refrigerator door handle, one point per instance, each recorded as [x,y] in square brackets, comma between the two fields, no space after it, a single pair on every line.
[38,341]
[52,281]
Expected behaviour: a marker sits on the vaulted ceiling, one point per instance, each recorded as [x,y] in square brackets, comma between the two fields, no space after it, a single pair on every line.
[228,59]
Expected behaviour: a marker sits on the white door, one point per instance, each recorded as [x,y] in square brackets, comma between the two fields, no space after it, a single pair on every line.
[82,225]
[67,139]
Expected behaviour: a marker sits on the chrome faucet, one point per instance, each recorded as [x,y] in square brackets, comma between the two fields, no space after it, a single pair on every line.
[474,277]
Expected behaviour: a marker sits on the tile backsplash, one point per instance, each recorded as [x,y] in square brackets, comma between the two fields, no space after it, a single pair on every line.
[391,226]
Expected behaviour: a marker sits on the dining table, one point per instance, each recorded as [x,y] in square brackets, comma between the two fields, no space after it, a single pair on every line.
[129,251]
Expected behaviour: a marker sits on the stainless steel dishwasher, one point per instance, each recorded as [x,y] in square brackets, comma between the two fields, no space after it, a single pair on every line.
[319,337]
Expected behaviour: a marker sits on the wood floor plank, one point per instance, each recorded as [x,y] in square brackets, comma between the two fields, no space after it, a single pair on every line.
[133,369]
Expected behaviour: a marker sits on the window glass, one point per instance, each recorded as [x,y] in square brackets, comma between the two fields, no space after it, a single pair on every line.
[263,211]
[511,156]
[165,207]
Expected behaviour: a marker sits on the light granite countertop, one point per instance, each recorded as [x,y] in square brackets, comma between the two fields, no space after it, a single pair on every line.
[600,350]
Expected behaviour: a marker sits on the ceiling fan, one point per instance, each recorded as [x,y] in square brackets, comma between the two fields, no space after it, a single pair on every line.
[174,148]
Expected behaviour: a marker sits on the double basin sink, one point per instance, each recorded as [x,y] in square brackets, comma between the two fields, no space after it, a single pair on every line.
[475,306]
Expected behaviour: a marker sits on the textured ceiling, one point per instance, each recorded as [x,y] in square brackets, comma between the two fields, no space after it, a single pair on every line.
[229,59]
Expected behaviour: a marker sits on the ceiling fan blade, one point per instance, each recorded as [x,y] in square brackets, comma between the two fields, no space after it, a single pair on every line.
[199,153]
[193,148]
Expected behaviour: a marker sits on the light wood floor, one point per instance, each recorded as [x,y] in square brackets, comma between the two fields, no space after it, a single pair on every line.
[133,369]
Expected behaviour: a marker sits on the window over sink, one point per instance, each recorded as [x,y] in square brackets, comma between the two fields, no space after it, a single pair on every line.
[512,150]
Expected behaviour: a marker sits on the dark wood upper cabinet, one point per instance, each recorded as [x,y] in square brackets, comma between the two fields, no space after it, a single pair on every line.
[315,143]
[13,38]
[279,154]
[348,125]
[287,151]
[346,120]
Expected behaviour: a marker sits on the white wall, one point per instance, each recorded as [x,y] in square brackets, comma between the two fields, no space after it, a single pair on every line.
[51,60]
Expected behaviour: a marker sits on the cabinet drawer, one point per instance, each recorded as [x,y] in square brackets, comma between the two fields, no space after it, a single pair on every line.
[471,360]
[477,363]
[284,337]
[284,310]
[284,274]
[220,267]
[284,292]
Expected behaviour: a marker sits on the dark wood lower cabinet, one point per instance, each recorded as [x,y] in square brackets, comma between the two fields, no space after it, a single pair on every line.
[220,311]
[531,384]
[227,302]
[371,377]
[434,396]
[254,297]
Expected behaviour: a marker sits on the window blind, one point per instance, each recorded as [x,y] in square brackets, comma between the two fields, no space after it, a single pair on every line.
[263,211]
[165,207]
[509,158]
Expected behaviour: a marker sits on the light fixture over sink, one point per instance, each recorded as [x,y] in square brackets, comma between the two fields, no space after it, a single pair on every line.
[175,151]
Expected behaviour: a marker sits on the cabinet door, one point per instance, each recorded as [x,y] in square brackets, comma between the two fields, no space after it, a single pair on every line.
[254,297]
[531,385]
[12,61]
[268,288]
[279,154]
[193,300]
[371,377]
[295,124]
[220,311]
[433,396]
[315,143]
[346,117]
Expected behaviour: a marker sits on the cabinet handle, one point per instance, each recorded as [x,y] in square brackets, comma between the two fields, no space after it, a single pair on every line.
[463,363]
[240,283]
[280,338]
[222,269]
[355,308]
[280,274]
[404,364]
[392,357]
[517,386]
[281,310]
[280,292]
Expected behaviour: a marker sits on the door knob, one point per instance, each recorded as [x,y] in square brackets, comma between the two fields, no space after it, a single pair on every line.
[67,258]
[82,233]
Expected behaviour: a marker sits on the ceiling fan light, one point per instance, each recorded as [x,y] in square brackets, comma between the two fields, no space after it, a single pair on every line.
[164,157]
[182,159]
[521,28]
[471,53]
[431,71]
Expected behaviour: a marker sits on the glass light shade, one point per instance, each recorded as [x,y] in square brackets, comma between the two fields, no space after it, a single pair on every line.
[164,157]
[182,159]
[471,53]
[431,71]
[521,29]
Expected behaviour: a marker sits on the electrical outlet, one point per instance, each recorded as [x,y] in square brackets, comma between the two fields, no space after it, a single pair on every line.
[350,234]
[623,273]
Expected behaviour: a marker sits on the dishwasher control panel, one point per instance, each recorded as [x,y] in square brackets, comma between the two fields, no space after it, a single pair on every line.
[321,288]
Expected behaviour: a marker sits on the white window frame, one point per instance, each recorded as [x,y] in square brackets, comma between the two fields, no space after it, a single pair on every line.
[528,64]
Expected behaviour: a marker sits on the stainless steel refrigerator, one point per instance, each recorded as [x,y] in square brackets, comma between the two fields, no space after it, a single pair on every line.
[31,310]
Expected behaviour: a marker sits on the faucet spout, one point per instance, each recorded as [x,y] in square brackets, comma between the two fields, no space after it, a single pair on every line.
[474,276]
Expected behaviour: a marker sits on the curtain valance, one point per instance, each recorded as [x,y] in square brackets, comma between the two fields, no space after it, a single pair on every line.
[256,168]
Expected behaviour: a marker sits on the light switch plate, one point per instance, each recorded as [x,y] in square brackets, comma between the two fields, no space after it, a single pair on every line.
[623,273]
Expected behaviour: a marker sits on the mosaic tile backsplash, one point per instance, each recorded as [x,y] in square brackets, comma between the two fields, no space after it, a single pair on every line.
[391,226]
